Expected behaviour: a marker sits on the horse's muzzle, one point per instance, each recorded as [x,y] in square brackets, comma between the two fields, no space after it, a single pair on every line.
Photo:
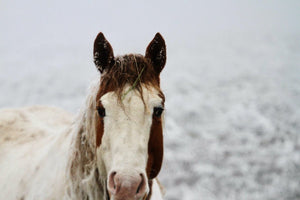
[123,186]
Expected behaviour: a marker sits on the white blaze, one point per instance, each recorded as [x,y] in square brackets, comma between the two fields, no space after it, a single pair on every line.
[124,145]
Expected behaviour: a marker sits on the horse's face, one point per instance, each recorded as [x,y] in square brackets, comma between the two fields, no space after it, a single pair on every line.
[126,133]
[129,118]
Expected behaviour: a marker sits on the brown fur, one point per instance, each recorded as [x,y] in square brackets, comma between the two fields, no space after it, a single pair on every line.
[99,127]
[155,148]
[125,71]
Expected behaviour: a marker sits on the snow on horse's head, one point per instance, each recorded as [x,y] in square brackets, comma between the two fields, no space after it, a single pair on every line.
[128,118]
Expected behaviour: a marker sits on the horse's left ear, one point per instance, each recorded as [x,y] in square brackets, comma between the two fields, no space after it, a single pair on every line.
[103,53]
[156,52]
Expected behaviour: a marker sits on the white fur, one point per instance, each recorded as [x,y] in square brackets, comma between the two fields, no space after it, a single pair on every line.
[42,152]
[156,191]
[127,130]
[33,146]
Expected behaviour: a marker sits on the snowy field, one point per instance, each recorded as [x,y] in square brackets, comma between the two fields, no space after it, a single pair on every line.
[232,84]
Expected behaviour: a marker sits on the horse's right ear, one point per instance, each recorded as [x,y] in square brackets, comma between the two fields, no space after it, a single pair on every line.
[103,53]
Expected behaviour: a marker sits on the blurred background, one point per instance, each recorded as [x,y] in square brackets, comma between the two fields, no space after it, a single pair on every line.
[232,82]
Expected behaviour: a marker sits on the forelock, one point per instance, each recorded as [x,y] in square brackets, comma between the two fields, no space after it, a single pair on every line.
[133,70]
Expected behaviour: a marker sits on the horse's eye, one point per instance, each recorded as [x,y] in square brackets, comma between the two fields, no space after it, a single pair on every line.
[157,111]
[101,111]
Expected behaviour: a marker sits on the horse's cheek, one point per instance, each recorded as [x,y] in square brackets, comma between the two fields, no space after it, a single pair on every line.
[155,149]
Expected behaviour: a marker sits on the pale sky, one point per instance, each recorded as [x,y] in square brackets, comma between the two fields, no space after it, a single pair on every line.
[130,24]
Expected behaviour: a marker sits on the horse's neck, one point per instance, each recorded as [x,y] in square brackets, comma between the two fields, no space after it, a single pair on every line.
[83,174]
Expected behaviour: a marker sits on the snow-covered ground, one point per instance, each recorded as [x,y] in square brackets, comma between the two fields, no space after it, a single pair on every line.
[233,120]
[232,84]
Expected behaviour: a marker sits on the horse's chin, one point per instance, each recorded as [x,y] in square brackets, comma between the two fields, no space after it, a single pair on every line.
[124,197]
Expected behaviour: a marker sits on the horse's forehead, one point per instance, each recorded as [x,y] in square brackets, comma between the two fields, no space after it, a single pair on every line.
[150,97]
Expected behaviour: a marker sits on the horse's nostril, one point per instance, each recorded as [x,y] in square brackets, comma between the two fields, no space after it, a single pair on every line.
[111,182]
[142,185]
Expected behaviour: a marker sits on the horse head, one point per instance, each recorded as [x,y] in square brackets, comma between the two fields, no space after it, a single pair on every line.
[129,118]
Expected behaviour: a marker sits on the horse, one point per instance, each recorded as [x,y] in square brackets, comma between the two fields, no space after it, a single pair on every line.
[111,150]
